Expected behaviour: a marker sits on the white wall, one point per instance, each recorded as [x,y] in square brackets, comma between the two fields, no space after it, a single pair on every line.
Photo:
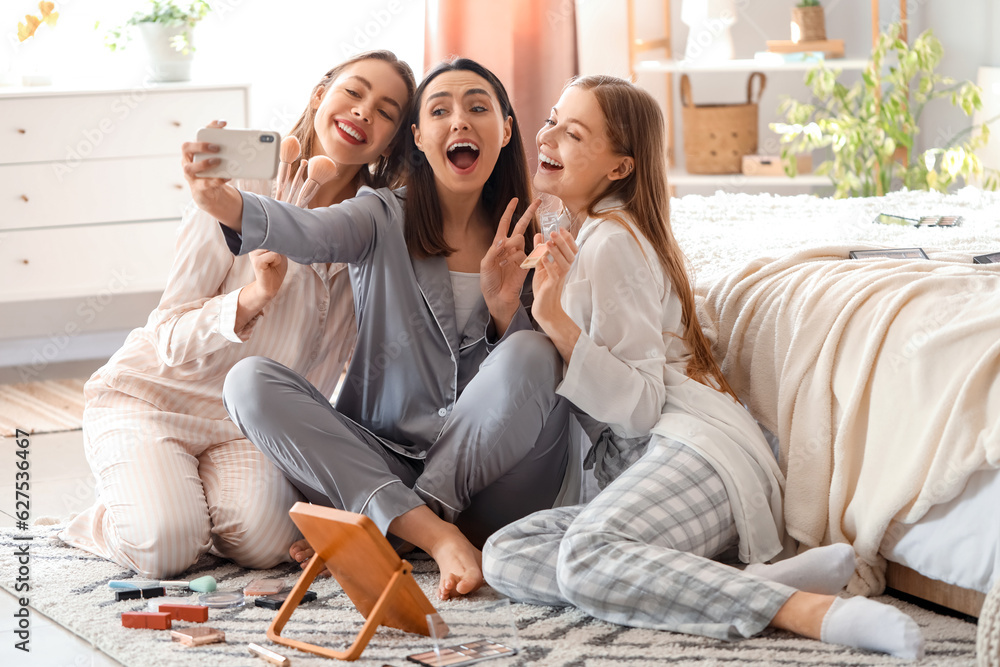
[968,30]
[282,47]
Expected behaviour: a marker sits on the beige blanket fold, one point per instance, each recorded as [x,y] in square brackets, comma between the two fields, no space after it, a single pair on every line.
[880,377]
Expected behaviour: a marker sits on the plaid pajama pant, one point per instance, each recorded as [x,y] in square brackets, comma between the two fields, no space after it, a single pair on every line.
[639,553]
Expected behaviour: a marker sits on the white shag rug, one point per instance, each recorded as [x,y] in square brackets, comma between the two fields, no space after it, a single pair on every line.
[71,587]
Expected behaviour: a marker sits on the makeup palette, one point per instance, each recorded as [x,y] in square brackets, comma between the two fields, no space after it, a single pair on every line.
[462,654]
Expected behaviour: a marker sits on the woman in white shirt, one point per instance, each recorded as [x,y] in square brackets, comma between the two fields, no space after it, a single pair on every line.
[175,477]
[685,472]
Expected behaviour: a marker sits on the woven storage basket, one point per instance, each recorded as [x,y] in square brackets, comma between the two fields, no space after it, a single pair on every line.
[717,136]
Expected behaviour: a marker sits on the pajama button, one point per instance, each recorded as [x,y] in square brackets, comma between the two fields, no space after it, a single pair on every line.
[442,412]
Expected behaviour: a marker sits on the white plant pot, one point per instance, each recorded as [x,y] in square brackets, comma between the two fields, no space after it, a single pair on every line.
[166,62]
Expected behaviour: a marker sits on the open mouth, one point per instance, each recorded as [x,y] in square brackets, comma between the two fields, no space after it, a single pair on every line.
[545,163]
[351,132]
[463,155]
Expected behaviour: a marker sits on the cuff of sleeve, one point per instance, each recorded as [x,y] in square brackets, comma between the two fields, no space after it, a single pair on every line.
[254,223]
[574,383]
[227,319]
[520,322]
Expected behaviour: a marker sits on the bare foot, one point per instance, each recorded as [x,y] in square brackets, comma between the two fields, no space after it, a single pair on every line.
[301,552]
[461,566]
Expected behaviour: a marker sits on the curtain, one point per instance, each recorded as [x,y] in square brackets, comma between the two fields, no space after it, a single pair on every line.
[529,44]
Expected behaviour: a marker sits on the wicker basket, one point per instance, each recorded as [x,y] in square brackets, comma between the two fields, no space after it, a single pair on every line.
[809,23]
[717,136]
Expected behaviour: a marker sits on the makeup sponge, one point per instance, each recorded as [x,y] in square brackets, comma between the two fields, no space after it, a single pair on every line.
[204,584]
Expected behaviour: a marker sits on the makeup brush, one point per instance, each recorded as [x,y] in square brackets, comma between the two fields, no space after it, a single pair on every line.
[296,183]
[321,170]
[290,150]
[204,584]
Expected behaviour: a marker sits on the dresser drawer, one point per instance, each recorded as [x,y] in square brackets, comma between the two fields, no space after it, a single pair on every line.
[97,262]
[121,190]
[70,128]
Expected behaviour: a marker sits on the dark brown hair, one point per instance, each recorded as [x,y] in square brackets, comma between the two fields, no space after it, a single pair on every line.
[638,132]
[385,171]
[424,230]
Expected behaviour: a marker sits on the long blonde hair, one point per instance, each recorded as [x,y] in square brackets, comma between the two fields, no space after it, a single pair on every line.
[385,171]
[635,128]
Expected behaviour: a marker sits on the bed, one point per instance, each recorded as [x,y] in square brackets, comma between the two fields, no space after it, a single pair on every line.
[749,254]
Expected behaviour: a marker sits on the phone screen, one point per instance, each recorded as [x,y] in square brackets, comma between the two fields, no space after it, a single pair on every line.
[463,654]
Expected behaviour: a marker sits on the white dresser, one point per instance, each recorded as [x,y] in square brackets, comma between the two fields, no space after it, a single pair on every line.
[91,193]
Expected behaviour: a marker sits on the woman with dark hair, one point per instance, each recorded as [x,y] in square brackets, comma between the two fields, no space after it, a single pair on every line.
[448,412]
[175,477]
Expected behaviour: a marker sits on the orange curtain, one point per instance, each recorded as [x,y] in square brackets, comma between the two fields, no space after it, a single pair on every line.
[529,44]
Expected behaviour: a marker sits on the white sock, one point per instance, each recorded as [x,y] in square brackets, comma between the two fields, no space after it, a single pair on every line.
[864,623]
[824,570]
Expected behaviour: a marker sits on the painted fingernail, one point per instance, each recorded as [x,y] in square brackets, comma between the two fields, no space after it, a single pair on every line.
[550,259]
[215,148]
[499,243]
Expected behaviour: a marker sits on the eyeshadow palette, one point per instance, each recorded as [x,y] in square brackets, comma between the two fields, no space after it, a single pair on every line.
[462,654]
[992,258]
[923,221]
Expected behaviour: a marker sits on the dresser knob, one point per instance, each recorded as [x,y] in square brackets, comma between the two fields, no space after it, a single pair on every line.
[21,130]
[176,123]
[24,197]
[178,186]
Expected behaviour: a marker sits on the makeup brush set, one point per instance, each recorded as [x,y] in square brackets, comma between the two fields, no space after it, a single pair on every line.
[310,176]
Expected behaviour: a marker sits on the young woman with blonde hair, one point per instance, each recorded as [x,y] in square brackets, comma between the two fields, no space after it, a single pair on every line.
[685,471]
[175,477]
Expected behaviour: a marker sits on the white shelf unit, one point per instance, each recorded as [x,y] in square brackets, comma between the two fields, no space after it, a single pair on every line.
[669,67]
[677,176]
[744,65]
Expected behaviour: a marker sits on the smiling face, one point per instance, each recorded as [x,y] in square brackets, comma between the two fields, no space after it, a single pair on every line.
[461,130]
[576,161]
[358,113]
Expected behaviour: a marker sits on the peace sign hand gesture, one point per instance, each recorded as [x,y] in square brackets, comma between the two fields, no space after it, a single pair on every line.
[500,274]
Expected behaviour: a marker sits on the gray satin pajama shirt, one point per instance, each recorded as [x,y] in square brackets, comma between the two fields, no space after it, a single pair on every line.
[461,421]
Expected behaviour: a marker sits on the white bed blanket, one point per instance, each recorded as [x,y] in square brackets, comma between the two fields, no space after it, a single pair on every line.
[881,379]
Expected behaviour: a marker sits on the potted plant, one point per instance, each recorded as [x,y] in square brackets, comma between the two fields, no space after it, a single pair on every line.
[808,22]
[166,27]
[871,127]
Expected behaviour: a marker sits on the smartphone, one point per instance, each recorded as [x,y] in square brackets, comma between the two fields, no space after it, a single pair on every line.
[463,654]
[264,587]
[992,258]
[244,153]
[197,636]
[276,600]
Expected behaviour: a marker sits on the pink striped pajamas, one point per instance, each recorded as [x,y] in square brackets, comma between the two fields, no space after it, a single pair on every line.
[175,477]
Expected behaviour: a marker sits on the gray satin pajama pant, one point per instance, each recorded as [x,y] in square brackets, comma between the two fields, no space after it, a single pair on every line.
[500,456]
[638,554]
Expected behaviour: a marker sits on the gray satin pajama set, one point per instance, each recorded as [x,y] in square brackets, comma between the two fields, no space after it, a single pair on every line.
[461,421]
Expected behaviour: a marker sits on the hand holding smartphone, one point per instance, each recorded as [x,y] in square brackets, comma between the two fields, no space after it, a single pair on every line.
[249,154]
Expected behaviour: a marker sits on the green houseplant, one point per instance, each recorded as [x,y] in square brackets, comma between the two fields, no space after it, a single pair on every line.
[872,125]
[166,27]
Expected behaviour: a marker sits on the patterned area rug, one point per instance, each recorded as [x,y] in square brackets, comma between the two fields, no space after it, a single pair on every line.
[70,586]
[51,406]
